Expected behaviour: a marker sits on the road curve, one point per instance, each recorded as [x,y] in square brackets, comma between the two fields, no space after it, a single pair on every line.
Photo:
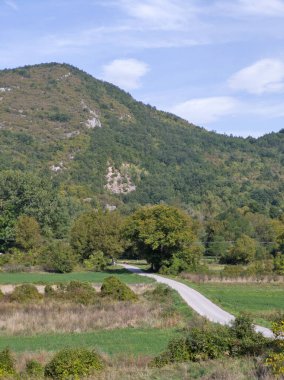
[202,305]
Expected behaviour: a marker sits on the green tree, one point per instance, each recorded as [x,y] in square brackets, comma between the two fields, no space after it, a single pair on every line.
[98,231]
[58,256]
[27,194]
[160,232]
[243,251]
[27,231]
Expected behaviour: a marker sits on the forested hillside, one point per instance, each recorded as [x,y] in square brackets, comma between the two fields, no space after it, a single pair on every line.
[101,146]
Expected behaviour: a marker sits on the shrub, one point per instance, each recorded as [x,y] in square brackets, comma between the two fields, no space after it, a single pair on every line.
[114,288]
[212,342]
[49,291]
[96,262]
[59,257]
[207,343]
[25,293]
[80,292]
[73,364]
[160,293]
[34,369]
[177,352]
[1,295]
[244,340]
[7,365]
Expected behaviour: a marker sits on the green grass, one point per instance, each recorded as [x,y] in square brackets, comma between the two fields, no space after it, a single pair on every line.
[262,301]
[119,341]
[53,278]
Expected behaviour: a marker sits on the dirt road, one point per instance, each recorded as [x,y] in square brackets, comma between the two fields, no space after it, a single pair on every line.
[202,305]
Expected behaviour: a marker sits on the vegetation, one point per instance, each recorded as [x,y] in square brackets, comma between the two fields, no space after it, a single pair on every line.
[73,363]
[88,175]
[114,288]
[165,237]
[25,293]
[7,365]
[212,342]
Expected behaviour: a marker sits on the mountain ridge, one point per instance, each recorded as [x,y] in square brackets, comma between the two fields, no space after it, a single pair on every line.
[97,142]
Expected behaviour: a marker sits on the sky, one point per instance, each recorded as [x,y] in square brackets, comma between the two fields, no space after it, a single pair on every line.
[217,63]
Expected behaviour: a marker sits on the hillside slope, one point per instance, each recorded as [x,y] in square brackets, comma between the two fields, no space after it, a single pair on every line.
[103,147]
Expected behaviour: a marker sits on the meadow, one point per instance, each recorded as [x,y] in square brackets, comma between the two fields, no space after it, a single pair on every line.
[264,302]
[55,278]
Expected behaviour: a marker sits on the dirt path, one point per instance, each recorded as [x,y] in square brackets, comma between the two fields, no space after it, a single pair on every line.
[202,305]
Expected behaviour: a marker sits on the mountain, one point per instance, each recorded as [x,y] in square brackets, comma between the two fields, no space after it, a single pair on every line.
[103,147]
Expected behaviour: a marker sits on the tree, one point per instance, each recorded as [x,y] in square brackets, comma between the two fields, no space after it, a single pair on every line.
[243,252]
[27,231]
[160,232]
[98,231]
[58,257]
[27,194]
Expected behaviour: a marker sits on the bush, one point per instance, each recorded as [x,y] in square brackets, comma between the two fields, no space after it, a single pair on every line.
[25,293]
[7,364]
[49,291]
[114,288]
[159,294]
[96,262]
[73,364]
[81,292]
[212,342]
[244,340]
[177,352]
[59,257]
[208,343]
[34,369]
[1,295]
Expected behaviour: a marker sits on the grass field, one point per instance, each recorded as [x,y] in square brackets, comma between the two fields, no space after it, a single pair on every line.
[53,278]
[127,341]
[262,301]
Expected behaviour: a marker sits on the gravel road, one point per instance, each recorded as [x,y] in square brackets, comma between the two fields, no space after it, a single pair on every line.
[202,305]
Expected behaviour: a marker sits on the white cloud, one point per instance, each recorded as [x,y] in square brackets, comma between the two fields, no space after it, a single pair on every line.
[203,111]
[12,5]
[125,73]
[160,14]
[264,76]
[262,7]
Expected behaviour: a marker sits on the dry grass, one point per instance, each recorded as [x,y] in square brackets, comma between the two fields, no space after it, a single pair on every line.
[55,317]
[204,278]
[129,368]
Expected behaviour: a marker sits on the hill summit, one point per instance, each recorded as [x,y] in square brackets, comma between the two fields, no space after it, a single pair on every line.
[103,147]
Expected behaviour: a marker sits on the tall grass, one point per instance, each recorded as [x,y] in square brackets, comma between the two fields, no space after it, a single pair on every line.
[55,317]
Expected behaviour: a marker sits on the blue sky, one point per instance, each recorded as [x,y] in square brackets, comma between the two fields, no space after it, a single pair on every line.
[217,63]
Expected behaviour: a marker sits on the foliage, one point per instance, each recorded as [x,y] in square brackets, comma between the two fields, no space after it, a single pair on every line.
[160,232]
[7,364]
[79,292]
[73,363]
[211,342]
[25,293]
[58,256]
[27,194]
[34,369]
[114,288]
[96,262]
[27,232]
[98,231]
[177,351]
[276,359]
[243,251]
